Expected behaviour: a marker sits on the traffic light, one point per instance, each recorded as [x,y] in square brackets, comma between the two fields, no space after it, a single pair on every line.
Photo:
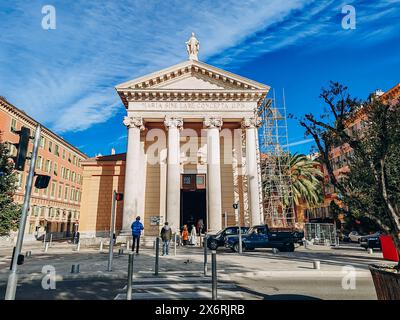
[119,196]
[42,181]
[22,148]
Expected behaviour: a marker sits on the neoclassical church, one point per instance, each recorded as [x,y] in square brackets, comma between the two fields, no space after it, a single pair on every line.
[192,152]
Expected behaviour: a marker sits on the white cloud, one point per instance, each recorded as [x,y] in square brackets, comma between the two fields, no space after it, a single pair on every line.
[65,77]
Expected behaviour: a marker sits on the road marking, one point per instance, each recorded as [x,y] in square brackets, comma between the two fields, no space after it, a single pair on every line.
[182,295]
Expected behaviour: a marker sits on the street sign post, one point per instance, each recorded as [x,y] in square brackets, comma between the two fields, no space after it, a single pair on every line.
[12,278]
[112,232]
[236,206]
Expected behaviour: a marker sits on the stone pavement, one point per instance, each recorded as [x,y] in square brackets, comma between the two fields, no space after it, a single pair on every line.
[189,259]
[180,274]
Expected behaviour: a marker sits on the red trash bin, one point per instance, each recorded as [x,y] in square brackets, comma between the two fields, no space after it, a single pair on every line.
[388,248]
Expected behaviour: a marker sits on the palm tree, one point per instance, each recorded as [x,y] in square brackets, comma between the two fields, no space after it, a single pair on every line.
[303,174]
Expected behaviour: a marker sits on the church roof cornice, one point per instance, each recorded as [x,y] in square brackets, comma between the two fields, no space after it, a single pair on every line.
[235,86]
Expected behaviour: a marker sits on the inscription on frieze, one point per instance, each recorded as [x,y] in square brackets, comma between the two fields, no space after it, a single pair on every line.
[192,106]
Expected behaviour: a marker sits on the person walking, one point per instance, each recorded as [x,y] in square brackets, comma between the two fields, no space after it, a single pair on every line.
[185,235]
[193,236]
[137,228]
[166,235]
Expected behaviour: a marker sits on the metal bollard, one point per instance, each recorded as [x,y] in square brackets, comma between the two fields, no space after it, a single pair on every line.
[130,273]
[28,254]
[46,247]
[275,250]
[78,246]
[75,268]
[370,251]
[120,251]
[101,246]
[214,274]
[51,239]
[175,237]
[317,265]
[205,256]
[157,256]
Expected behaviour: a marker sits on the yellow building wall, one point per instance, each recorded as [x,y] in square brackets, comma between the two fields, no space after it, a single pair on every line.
[99,182]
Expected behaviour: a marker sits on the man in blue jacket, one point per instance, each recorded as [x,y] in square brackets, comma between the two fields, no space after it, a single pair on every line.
[137,228]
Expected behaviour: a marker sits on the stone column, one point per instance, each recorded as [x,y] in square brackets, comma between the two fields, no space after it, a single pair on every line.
[213,125]
[251,124]
[133,169]
[173,125]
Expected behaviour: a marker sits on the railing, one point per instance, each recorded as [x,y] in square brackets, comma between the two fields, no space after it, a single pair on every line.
[321,233]
[65,235]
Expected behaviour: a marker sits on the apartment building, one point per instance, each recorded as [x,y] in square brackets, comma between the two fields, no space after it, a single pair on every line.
[55,209]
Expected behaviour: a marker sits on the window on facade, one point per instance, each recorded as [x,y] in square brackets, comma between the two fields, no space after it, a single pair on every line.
[42,142]
[66,193]
[67,174]
[53,189]
[69,157]
[50,146]
[59,191]
[47,166]
[13,126]
[45,192]
[63,154]
[55,169]
[72,195]
[39,162]
[35,190]
[56,150]
[74,161]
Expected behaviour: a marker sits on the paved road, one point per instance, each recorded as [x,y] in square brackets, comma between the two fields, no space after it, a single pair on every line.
[259,274]
[191,288]
[82,289]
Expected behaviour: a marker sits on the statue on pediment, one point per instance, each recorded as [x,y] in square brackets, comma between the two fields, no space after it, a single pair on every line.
[192,47]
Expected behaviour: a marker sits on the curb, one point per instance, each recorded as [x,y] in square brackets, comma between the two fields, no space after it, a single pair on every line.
[85,276]
[288,274]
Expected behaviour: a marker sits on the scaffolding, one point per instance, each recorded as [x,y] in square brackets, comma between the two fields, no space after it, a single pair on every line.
[275,167]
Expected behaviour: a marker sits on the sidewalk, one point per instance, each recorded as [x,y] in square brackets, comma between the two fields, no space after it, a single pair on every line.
[263,262]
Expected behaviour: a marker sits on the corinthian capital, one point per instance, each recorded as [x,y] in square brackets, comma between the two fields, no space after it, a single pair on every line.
[173,122]
[251,122]
[134,122]
[213,122]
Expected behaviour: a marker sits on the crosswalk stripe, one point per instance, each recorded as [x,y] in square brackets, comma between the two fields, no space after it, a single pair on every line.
[178,286]
[221,294]
[172,286]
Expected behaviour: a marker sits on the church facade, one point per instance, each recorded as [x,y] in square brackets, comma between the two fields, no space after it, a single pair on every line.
[192,152]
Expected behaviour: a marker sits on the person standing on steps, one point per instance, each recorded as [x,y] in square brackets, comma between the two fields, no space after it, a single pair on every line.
[166,235]
[185,235]
[137,228]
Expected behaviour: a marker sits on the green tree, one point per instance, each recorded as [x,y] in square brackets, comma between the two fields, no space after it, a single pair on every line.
[303,174]
[10,212]
[306,177]
[372,186]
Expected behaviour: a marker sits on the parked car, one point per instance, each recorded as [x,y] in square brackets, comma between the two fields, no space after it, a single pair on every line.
[354,236]
[218,240]
[261,237]
[371,241]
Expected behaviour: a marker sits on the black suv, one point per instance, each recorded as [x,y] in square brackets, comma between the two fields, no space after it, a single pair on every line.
[371,241]
[218,240]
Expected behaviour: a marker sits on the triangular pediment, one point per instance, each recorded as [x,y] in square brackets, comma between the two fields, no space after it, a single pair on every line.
[193,81]
[192,75]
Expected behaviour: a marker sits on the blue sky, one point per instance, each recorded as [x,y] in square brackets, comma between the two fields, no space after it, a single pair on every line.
[65,77]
